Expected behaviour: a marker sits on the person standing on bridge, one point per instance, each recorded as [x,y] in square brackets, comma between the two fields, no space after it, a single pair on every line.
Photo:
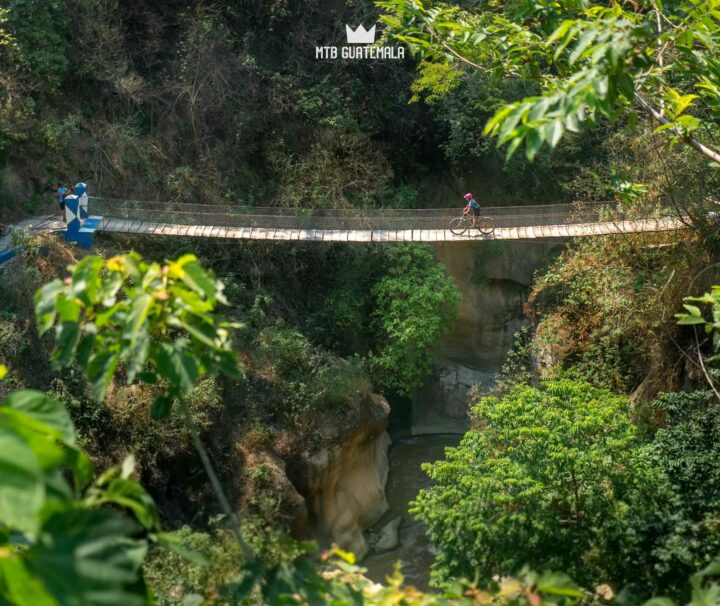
[62,191]
[472,207]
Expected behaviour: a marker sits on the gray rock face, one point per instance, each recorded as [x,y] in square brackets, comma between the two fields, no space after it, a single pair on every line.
[388,536]
[441,406]
[494,279]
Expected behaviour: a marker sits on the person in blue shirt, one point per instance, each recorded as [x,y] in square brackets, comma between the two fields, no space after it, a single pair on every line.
[62,191]
[472,207]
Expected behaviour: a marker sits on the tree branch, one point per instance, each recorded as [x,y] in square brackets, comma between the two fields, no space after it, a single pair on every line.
[691,141]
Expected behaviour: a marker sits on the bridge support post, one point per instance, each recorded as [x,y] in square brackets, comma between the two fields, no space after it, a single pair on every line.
[80,225]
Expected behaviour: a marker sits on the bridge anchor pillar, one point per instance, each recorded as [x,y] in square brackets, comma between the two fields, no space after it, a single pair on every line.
[81,226]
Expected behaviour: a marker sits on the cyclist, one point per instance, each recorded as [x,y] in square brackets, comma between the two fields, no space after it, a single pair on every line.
[472,207]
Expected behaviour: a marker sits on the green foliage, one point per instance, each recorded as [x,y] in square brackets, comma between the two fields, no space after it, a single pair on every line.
[40,41]
[602,309]
[58,545]
[590,60]
[415,305]
[687,450]
[176,579]
[693,316]
[156,320]
[552,477]
[306,382]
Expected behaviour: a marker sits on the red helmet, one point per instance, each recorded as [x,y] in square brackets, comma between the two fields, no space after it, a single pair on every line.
[467,196]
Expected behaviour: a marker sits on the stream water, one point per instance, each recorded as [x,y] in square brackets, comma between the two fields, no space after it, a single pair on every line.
[405,479]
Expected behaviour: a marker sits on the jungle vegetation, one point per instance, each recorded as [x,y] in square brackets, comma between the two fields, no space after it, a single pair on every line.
[152,398]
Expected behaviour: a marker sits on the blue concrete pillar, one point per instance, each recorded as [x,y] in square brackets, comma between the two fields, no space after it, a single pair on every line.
[81,227]
[81,193]
[72,217]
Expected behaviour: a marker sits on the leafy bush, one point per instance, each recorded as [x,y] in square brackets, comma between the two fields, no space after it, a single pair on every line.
[415,305]
[687,449]
[551,476]
[603,308]
[216,560]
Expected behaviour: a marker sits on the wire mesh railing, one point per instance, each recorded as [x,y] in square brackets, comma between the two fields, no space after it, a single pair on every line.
[221,215]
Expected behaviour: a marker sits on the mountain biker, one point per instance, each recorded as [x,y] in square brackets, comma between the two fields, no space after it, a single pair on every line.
[472,206]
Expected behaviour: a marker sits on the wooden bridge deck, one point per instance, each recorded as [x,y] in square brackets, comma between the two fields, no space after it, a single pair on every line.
[410,235]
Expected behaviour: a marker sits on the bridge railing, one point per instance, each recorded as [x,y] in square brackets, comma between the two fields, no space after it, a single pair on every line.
[181,213]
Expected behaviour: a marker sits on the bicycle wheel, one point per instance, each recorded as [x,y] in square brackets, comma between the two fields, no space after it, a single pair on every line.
[484,227]
[459,225]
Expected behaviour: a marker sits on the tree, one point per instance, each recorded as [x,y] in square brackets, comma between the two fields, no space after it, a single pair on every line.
[415,305]
[687,450]
[552,477]
[589,60]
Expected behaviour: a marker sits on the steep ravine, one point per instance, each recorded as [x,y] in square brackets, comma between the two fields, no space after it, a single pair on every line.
[494,279]
[343,486]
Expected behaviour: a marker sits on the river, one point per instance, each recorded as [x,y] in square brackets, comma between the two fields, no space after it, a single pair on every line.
[405,479]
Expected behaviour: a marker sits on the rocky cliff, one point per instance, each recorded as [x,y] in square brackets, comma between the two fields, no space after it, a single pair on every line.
[343,485]
[494,278]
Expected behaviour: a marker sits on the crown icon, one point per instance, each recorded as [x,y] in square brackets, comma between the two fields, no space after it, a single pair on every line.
[360,35]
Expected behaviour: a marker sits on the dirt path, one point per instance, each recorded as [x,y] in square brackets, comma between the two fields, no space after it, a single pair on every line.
[36,225]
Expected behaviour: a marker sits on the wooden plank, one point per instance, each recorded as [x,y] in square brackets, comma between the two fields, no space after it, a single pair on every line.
[513,235]
[530,231]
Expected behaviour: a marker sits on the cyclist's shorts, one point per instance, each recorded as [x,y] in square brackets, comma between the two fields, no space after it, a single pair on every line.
[476,210]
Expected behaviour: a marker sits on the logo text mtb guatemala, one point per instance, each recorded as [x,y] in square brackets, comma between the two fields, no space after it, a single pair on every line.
[362,41]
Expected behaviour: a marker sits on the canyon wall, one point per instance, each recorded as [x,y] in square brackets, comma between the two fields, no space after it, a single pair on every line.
[494,279]
[344,484]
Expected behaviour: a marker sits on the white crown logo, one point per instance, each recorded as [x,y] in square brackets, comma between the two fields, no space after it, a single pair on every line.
[360,35]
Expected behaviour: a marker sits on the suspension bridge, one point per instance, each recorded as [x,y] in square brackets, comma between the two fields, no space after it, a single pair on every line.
[366,225]
[84,216]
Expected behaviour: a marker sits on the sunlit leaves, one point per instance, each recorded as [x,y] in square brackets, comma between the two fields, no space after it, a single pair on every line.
[694,316]
[56,547]
[549,476]
[589,61]
[157,322]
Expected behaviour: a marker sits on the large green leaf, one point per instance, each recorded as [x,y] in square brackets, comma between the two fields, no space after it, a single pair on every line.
[100,372]
[22,491]
[19,587]
[177,366]
[129,493]
[44,410]
[86,557]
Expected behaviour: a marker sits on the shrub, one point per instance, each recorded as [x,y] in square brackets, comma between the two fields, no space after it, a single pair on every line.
[415,305]
[688,451]
[551,476]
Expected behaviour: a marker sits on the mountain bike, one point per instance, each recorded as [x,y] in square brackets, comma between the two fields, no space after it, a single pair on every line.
[459,225]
